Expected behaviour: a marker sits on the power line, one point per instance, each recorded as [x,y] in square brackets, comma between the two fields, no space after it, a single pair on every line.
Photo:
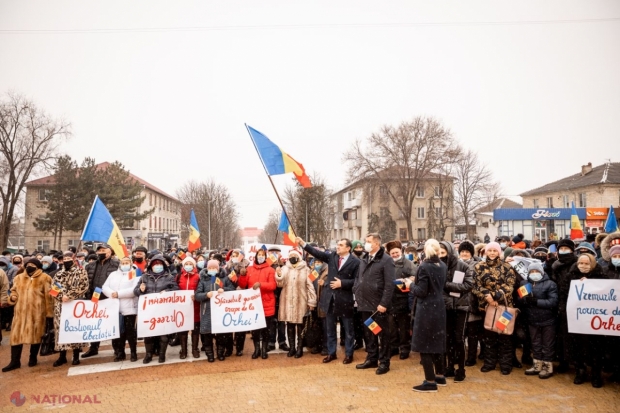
[304,26]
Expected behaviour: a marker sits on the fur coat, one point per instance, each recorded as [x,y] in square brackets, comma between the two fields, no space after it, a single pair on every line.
[74,285]
[33,304]
[297,292]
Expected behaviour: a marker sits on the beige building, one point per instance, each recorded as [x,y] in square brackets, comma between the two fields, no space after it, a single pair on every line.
[483,218]
[160,229]
[354,204]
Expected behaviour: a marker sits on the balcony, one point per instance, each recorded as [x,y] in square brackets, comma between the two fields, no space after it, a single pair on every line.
[352,203]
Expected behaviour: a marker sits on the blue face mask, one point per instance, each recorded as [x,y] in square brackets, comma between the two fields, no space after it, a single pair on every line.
[200,264]
[46,266]
[615,262]
[212,272]
[158,269]
[125,267]
[188,268]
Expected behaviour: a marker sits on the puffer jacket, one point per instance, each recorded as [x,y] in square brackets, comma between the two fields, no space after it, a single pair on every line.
[297,294]
[595,273]
[461,303]
[494,277]
[560,274]
[266,276]
[120,283]
[612,272]
[206,285]
[189,282]
[98,273]
[374,283]
[544,312]
[403,268]
[156,283]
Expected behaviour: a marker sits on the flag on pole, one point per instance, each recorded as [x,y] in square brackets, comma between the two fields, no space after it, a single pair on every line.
[525,290]
[611,225]
[275,160]
[287,231]
[100,226]
[576,231]
[194,234]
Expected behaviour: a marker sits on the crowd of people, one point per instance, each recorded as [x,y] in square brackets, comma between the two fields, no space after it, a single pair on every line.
[387,298]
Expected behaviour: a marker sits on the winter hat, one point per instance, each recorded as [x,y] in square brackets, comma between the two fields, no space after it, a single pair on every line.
[614,250]
[393,244]
[541,250]
[69,254]
[535,266]
[467,246]
[294,252]
[517,238]
[355,243]
[189,259]
[586,248]
[516,252]
[46,259]
[493,246]
[508,251]
[218,257]
[213,263]
[141,248]
[34,261]
[566,243]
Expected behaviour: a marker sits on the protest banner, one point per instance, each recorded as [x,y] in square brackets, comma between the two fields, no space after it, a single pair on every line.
[521,264]
[83,321]
[240,310]
[593,307]
[165,313]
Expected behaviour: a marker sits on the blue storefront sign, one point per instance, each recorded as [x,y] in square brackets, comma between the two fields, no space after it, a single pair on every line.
[523,214]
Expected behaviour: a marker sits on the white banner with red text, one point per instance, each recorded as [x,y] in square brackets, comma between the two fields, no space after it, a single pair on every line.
[84,321]
[593,307]
[165,313]
[240,310]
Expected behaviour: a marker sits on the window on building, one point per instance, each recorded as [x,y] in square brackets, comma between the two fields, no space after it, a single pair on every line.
[535,202]
[419,193]
[150,199]
[582,200]
[549,202]
[438,212]
[349,196]
[150,222]
[421,234]
[160,227]
[353,214]
[73,242]
[43,194]
[420,212]
[402,232]
[437,192]
[383,191]
[565,203]
[43,245]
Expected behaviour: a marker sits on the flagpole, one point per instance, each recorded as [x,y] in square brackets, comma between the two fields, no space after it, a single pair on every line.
[270,180]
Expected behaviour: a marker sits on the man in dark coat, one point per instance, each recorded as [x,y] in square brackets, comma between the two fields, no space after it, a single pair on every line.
[373,289]
[337,300]
[559,274]
[98,273]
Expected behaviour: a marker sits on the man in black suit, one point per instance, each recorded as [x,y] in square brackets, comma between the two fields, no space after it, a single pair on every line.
[337,300]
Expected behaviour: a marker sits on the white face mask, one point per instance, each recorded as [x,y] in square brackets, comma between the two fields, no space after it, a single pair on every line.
[368,247]
[536,276]
[235,260]
[125,267]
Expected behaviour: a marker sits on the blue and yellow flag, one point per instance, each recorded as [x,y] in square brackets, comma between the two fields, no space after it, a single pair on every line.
[194,234]
[611,225]
[101,227]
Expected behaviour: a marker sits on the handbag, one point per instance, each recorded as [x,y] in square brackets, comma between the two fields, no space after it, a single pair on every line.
[48,340]
[501,319]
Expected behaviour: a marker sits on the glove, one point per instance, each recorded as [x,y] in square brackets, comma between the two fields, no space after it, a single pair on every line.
[531,300]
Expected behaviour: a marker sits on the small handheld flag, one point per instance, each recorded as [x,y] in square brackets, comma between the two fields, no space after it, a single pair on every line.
[503,321]
[96,295]
[181,255]
[218,282]
[313,275]
[55,289]
[233,276]
[401,285]
[372,326]
[131,274]
[525,290]
[576,231]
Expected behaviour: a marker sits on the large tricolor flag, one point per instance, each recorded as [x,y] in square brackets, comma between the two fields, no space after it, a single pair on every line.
[100,226]
[194,234]
[275,160]
[576,231]
[611,225]
[287,231]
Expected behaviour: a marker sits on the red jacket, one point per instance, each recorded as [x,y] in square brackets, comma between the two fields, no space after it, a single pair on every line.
[266,276]
[189,282]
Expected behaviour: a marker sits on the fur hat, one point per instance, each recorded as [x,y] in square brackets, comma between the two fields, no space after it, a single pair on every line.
[467,246]
[566,242]
[393,244]
[34,261]
[609,242]
[47,259]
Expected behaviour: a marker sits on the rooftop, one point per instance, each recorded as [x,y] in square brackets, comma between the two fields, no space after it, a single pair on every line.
[608,173]
[387,172]
[498,203]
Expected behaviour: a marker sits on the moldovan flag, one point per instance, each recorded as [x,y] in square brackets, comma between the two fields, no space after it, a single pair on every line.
[373,326]
[96,295]
[313,275]
[275,160]
[611,225]
[194,234]
[525,290]
[100,226]
[55,289]
[233,276]
[287,231]
[503,321]
[576,231]
[218,282]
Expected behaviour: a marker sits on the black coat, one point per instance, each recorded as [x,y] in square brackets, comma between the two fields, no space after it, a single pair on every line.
[98,272]
[574,274]
[429,327]
[544,312]
[374,284]
[343,296]
[461,303]
[400,300]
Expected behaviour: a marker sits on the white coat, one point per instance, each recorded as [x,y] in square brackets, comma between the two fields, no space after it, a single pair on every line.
[119,282]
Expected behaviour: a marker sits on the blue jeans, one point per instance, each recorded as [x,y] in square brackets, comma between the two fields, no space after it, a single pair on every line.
[349,341]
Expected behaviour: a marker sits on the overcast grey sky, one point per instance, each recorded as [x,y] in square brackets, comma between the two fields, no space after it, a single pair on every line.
[165,87]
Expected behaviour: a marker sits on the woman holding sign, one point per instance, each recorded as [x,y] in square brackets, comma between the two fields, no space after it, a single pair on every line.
[188,279]
[72,283]
[296,299]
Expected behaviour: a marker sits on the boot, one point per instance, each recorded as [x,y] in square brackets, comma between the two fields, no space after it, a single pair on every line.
[134,353]
[183,340]
[256,353]
[228,345]
[195,338]
[300,345]
[175,341]
[148,346]
[580,374]
[207,342]
[221,351]
[163,346]
[119,352]
[16,355]
[93,350]
[546,371]
[62,359]
[76,357]
[597,379]
[535,369]
[290,333]
[34,351]
[264,349]
[239,343]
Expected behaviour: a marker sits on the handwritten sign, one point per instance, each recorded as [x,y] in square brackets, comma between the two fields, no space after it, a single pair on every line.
[593,307]
[240,310]
[521,264]
[84,321]
[165,313]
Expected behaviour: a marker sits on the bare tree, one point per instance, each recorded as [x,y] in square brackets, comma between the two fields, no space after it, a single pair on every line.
[473,188]
[270,234]
[401,158]
[215,210]
[29,140]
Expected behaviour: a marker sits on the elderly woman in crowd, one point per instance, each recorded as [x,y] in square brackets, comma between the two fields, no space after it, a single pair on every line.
[120,285]
[72,281]
[33,303]
[188,280]
[296,299]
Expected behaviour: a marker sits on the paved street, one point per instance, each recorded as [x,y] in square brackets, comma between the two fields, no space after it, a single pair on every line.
[282,384]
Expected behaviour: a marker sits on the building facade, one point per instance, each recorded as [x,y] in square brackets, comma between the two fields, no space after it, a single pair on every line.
[160,229]
[485,222]
[249,235]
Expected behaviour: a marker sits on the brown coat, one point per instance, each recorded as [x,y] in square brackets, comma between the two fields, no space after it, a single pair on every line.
[74,285]
[33,303]
[4,288]
[297,292]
